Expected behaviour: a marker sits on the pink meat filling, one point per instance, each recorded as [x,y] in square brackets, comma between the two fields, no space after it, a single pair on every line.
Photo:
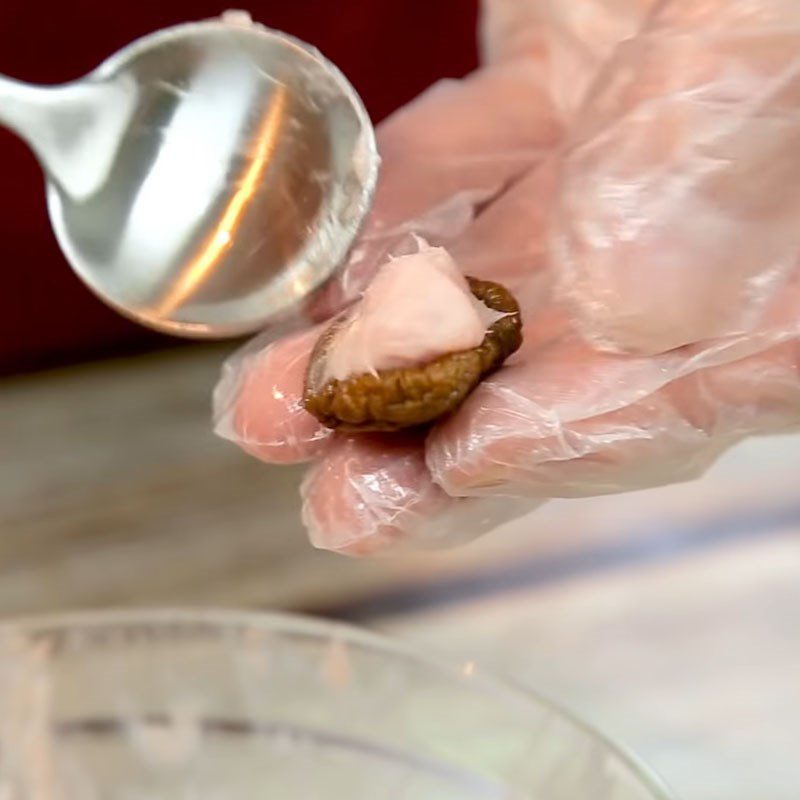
[417,308]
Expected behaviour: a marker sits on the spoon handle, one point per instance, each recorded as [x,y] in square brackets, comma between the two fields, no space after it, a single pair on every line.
[72,128]
[20,107]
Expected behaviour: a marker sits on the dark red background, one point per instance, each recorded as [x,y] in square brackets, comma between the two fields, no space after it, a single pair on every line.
[390,49]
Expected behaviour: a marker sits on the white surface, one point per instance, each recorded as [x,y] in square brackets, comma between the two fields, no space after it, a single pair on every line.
[693,660]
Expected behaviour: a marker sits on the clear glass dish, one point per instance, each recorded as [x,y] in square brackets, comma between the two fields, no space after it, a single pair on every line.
[169,705]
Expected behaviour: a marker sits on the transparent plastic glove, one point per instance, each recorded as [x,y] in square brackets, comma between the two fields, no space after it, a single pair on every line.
[569,41]
[563,417]
[678,208]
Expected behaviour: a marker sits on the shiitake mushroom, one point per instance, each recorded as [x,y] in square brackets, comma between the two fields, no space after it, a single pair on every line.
[408,397]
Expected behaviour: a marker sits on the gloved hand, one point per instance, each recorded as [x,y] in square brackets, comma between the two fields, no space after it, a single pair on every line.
[631,173]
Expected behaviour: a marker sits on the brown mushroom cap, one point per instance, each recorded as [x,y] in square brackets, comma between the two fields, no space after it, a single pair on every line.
[412,396]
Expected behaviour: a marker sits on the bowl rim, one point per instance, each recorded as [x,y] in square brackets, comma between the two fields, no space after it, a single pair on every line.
[293,623]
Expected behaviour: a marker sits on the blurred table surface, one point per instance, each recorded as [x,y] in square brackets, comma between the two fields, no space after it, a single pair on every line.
[670,619]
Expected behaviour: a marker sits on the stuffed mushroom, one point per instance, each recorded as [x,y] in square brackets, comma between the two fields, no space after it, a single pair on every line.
[421,338]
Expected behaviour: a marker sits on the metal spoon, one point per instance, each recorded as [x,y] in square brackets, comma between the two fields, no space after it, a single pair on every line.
[206,178]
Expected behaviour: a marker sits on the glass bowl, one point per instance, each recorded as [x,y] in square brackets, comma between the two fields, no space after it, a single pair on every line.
[168,705]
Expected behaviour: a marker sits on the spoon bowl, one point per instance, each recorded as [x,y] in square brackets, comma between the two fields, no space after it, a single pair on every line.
[206,179]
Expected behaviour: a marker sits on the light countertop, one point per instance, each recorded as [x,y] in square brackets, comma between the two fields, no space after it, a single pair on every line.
[669,618]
